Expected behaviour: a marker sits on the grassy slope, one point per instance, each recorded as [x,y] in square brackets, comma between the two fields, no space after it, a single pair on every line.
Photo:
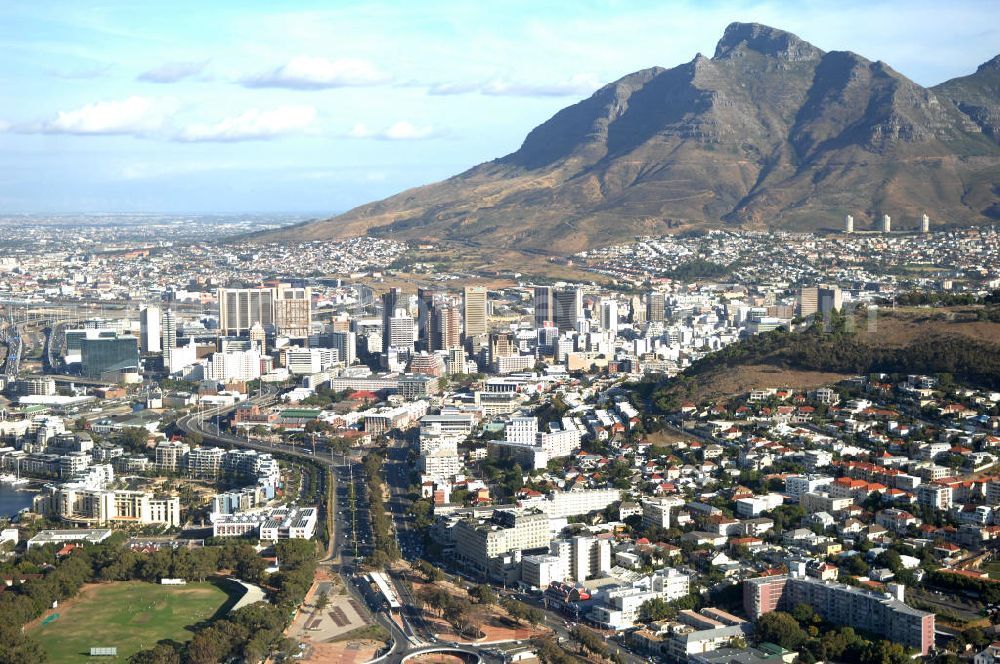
[914,328]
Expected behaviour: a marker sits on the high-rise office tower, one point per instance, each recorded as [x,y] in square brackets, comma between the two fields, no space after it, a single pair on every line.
[448,328]
[637,312]
[808,301]
[426,318]
[149,330]
[169,332]
[821,299]
[474,299]
[829,298]
[848,224]
[292,311]
[346,344]
[544,306]
[401,331]
[240,308]
[609,315]
[501,345]
[925,224]
[654,307]
[391,300]
[886,223]
[568,308]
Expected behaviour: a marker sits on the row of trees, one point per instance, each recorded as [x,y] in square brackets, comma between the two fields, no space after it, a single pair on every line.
[386,547]
[591,641]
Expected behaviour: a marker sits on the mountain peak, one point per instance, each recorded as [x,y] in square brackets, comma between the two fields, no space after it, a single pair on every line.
[741,37]
[990,65]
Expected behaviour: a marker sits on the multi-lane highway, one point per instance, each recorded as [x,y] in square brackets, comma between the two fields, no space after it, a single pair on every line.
[351,527]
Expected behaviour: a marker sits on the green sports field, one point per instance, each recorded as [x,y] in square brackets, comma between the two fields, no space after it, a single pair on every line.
[130,615]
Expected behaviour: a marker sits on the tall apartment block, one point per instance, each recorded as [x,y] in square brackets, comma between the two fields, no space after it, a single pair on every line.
[882,613]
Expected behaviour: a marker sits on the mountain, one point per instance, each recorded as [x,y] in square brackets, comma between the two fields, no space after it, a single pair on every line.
[770,132]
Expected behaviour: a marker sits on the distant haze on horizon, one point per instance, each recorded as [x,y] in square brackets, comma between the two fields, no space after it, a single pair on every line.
[202,107]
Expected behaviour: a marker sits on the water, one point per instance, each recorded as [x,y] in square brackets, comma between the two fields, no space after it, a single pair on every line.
[13,501]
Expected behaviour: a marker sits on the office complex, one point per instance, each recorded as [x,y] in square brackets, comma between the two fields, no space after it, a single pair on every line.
[102,356]
[819,299]
[280,309]
[489,548]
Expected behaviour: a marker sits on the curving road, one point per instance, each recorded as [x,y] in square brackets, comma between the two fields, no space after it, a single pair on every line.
[410,639]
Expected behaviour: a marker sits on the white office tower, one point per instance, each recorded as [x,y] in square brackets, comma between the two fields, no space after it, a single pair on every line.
[886,223]
[346,344]
[925,224]
[609,315]
[402,330]
[848,224]
[149,330]
[169,333]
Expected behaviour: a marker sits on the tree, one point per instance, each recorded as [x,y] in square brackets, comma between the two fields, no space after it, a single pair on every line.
[483,594]
[161,653]
[781,628]
[322,601]
[656,609]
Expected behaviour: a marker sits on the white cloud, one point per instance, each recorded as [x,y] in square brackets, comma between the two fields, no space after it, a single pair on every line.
[308,73]
[172,72]
[253,125]
[580,84]
[136,116]
[399,131]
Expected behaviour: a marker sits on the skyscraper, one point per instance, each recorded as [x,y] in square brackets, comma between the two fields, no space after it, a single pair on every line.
[448,328]
[169,335]
[886,223]
[654,307]
[149,326]
[848,224]
[240,308]
[609,314]
[568,308]
[475,311]
[390,302]
[346,344]
[925,224]
[426,318]
[292,311]
[636,311]
[400,332]
[544,306]
[281,309]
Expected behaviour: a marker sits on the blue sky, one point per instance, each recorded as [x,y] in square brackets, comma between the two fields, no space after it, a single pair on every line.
[315,107]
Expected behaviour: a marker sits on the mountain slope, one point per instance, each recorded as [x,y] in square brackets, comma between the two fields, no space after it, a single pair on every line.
[771,132]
